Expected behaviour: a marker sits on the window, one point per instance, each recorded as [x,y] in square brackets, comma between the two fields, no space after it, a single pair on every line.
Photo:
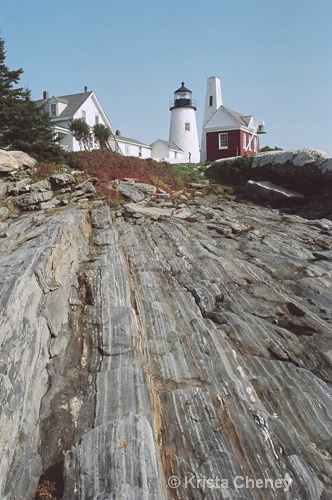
[175,154]
[127,149]
[211,100]
[187,126]
[96,119]
[53,109]
[140,151]
[90,142]
[223,140]
[84,115]
[244,141]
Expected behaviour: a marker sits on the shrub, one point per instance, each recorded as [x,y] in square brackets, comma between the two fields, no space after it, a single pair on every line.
[190,172]
[43,170]
[235,171]
[45,490]
[108,166]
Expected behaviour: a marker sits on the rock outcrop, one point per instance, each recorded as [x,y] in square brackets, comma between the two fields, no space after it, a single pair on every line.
[270,191]
[177,354]
[13,160]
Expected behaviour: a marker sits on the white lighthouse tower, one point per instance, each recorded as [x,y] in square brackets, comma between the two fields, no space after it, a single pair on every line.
[183,127]
[213,101]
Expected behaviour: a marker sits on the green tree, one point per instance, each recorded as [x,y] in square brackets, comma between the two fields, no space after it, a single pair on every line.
[102,135]
[268,148]
[81,132]
[23,125]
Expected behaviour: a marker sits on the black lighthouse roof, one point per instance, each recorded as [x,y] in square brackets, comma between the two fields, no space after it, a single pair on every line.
[182,89]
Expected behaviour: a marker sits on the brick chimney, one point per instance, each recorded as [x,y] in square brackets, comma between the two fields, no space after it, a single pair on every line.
[118,133]
[45,94]
[85,88]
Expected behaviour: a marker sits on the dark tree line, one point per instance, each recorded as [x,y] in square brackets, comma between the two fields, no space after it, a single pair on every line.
[24,126]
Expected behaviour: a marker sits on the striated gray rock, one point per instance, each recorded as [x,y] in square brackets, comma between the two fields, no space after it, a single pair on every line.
[33,198]
[270,191]
[145,188]
[163,350]
[188,357]
[129,191]
[40,186]
[59,181]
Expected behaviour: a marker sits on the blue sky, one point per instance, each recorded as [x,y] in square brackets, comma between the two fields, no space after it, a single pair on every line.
[274,59]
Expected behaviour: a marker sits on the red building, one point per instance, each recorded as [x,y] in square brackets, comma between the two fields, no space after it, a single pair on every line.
[226,133]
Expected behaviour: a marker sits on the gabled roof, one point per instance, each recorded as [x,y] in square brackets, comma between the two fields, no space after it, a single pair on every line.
[227,118]
[75,101]
[243,120]
[121,138]
[170,145]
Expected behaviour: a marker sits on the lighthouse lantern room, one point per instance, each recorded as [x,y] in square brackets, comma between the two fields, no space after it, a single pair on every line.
[183,127]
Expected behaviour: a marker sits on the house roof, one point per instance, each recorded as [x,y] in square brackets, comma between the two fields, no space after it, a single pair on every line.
[170,145]
[74,101]
[228,119]
[243,120]
[121,138]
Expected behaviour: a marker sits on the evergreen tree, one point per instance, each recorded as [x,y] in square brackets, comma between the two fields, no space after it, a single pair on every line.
[23,125]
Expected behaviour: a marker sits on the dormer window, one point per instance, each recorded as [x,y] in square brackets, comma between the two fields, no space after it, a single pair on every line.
[53,110]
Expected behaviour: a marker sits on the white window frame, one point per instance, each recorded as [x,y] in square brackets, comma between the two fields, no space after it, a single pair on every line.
[244,141]
[84,115]
[223,140]
[127,149]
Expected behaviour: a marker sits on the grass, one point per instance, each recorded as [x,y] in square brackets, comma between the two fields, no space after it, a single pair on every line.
[190,172]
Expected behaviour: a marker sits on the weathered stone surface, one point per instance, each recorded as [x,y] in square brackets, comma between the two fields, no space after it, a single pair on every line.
[298,157]
[87,188]
[59,181]
[145,188]
[49,204]
[4,213]
[34,307]
[40,186]
[132,208]
[25,200]
[130,191]
[270,191]
[15,159]
[3,189]
[302,167]
[134,353]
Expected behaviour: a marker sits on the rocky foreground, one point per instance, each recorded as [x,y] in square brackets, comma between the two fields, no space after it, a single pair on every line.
[159,352]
